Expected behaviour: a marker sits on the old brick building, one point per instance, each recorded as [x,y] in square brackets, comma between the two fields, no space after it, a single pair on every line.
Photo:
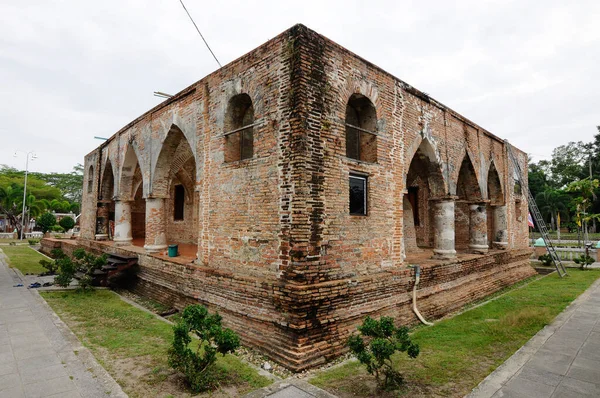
[299,181]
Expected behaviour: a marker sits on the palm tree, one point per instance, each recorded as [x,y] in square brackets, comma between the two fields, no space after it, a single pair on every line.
[552,203]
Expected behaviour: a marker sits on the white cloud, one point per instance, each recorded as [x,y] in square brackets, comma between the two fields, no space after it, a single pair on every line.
[70,70]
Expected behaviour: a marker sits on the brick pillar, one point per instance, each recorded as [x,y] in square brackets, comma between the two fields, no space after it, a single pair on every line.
[156,227]
[123,235]
[102,214]
[500,227]
[443,228]
[478,241]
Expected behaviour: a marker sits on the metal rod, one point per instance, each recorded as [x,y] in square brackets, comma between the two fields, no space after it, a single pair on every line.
[360,129]
[240,129]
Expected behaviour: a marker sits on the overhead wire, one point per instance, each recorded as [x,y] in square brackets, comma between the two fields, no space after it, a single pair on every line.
[203,39]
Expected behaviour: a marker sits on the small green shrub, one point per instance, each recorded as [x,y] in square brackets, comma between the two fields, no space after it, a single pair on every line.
[87,263]
[545,259]
[198,366]
[46,221]
[583,261]
[65,267]
[57,228]
[67,223]
[383,340]
[33,242]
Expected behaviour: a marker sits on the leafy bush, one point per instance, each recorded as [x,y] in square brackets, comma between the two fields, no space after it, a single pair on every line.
[65,267]
[383,340]
[546,259]
[198,365]
[67,223]
[46,221]
[33,242]
[87,263]
[57,228]
[583,261]
[51,266]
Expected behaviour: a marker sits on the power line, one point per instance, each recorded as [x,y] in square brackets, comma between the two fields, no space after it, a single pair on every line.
[192,19]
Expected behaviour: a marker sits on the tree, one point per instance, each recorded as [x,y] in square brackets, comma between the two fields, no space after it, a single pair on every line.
[9,200]
[198,365]
[46,221]
[67,223]
[384,340]
[568,163]
[585,189]
[553,202]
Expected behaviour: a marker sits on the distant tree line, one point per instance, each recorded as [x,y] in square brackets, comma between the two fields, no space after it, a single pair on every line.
[46,192]
[566,187]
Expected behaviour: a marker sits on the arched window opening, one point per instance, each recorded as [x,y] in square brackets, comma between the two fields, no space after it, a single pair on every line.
[361,124]
[239,129]
[518,185]
[179,202]
[90,182]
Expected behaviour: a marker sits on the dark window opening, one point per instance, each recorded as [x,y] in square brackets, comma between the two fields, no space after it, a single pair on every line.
[413,198]
[361,124]
[90,184]
[239,127]
[179,202]
[358,195]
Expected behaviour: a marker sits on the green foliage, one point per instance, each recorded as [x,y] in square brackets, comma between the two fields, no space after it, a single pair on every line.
[87,263]
[46,221]
[65,267]
[67,223]
[383,340]
[583,261]
[198,366]
[33,242]
[546,259]
[57,228]
[50,266]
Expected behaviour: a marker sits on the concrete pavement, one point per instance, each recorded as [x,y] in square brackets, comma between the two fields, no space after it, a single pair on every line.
[561,360]
[39,356]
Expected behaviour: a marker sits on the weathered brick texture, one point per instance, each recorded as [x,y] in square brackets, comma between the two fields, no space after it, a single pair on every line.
[278,254]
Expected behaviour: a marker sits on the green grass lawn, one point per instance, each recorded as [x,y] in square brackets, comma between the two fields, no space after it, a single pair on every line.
[24,258]
[457,353]
[132,346]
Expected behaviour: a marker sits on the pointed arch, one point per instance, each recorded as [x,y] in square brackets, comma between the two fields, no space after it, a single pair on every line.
[495,192]
[467,184]
[107,185]
[174,154]
[130,173]
[424,181]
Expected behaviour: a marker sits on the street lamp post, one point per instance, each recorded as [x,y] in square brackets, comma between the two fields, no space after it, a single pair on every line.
[33,156]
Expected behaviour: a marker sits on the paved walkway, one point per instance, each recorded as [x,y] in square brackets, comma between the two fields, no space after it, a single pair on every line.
[39,356]
[562,360]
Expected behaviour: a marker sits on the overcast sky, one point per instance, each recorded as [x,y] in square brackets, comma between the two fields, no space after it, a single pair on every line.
[71,70]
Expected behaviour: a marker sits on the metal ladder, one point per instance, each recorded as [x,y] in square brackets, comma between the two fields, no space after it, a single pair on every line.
[537,217]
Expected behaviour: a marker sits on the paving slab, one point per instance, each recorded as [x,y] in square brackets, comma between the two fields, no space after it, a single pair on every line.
[37,349]
[290,388]
[562,360]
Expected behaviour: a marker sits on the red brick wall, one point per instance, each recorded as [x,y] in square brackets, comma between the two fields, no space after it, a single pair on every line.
[279,254]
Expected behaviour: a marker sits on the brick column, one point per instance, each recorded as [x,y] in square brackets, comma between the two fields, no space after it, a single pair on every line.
[478,240]
[443,228]
[102,214]
[156,227]
[123,235]
[500,227]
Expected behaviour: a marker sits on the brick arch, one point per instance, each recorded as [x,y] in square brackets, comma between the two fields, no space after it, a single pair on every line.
[467,183]
[131,165]
[175,152]
[494,191]
[107,184]
[426,149]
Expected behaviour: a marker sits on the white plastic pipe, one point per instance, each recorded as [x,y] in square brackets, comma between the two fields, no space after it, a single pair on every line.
[415,309]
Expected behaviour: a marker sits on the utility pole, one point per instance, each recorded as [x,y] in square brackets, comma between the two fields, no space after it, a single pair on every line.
[33,156]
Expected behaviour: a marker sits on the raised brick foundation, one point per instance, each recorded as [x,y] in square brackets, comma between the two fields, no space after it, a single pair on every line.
[301,326]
